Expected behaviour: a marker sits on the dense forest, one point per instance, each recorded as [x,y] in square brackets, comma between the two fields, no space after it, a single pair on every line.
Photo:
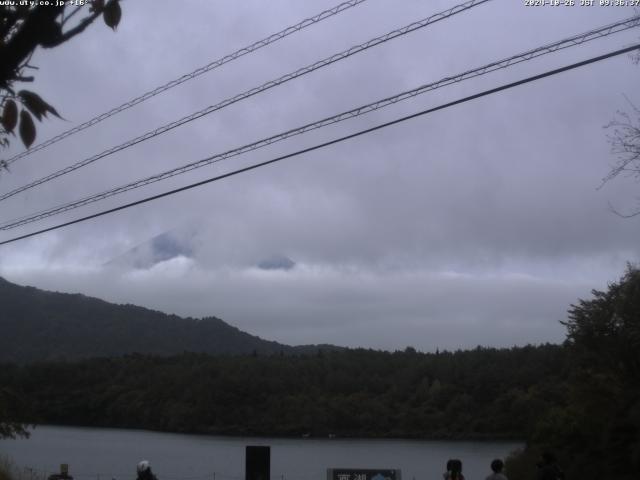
[478,393]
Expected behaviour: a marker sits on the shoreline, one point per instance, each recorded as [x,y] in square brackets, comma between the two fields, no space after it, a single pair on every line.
[303,437]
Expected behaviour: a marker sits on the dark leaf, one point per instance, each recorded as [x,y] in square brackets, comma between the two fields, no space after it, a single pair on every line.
[27,129]
[50,34]
[112,13]
[10,115]
[36,104]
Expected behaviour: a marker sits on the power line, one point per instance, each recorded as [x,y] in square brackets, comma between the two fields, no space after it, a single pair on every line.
[364,109]
[196,73]
[334,141]
[249,93]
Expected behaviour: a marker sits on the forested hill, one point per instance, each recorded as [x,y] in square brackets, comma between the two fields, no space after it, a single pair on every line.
[38,325]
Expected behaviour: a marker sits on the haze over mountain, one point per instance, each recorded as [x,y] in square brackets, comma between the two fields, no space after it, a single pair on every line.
[181,242]
[166,246]
[39,325]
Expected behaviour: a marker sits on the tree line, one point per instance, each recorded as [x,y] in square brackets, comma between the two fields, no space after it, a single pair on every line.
[479,393]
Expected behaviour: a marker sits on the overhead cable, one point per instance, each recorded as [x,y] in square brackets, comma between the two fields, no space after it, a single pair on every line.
[358,111]
[254,91]
[189,76]
[332,142]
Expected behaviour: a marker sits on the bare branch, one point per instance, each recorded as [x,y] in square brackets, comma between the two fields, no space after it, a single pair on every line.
[617,212]
[625,143]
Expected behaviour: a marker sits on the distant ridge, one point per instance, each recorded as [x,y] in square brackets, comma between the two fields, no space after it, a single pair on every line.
[39,325]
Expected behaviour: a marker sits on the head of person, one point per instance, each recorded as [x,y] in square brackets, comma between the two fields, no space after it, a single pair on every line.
[497,465]
[143,467]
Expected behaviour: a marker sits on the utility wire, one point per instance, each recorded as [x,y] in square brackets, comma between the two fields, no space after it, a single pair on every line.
[364,109]
[196,73]
[334,141]
[249,93]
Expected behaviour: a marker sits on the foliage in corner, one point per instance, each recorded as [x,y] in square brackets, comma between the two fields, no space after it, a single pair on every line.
[23,28]
[596,432]
[12,410]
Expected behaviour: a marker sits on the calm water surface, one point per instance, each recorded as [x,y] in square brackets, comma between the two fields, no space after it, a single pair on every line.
[103,454]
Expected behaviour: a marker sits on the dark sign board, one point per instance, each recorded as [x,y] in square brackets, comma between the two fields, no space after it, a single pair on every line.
[362,474]
[258,463]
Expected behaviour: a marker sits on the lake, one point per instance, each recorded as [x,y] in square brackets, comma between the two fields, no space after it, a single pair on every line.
[103,454]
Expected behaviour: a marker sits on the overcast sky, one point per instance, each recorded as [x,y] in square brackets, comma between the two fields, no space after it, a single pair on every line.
[478,224]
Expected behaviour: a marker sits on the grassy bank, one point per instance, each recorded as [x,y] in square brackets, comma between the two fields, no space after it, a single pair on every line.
[10,471]
[6,468]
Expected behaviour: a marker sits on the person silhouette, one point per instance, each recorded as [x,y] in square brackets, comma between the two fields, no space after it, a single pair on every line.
[454,470]
[144,471]
[496,467]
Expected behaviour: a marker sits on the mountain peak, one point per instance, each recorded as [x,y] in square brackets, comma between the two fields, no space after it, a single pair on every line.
[162,247]
[277,262]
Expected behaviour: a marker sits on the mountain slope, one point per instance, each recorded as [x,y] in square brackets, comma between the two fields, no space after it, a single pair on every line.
[40,325]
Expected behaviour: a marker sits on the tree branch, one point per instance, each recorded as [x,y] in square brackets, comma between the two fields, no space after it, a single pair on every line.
[613,210]
[84,23]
